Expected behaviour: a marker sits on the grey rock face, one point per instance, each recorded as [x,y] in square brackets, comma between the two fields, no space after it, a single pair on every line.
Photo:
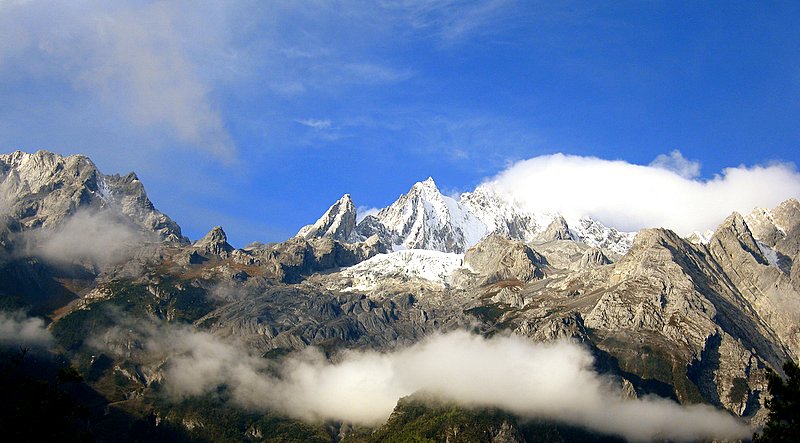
[570,326]
[767,289]
[42,189]
[568,255]
[678,299]
[371,226]
[779,229]
[338,222]
[297,257]
[496,258]
[556,230]
[591,258]
[298,316]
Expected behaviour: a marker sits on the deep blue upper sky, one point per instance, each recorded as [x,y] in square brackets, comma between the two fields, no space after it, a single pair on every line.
[258,115]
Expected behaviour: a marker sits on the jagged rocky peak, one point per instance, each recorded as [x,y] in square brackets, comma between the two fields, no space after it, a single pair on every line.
[734,235]
[778,229]
[787,214]
[215,242]
[42,189]
[650,240]
[556,230]
[761,276]
[700,238]
[338,222]
[425,219]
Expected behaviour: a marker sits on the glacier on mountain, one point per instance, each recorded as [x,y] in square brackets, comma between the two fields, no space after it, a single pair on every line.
[401,266]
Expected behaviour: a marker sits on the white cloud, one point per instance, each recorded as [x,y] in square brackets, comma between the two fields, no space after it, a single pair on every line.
[101,237]
[554,381]
[16,329]
[137,58]
[678,164]
[630,197]
[315,124]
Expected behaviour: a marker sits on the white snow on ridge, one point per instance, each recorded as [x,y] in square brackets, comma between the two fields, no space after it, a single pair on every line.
[405,265]
[472,228]
[769,254]
[594,233]
[424,218]
[700,238]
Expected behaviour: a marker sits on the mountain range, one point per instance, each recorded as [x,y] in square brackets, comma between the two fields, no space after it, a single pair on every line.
[424,218]
[133,305]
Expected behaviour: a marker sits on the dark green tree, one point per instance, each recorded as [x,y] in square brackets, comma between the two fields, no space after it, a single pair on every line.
[784,406]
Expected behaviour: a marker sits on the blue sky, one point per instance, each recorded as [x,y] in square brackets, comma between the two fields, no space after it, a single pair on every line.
[258,115]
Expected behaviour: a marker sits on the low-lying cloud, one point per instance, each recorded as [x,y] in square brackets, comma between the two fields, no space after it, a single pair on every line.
[667,193]
[19,330]
[100,237]
[554,381]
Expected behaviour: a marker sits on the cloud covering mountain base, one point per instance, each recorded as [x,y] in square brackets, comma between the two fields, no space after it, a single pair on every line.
[536,380]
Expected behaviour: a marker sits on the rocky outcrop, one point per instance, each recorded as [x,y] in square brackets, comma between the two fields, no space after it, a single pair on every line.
[297,258]
[294,317]
[41,190]
[592,258]
[569,326]
[496,258]
[338,222]
[215,242]
[681,301]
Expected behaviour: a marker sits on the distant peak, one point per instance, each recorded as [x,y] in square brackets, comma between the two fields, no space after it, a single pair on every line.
[338,222]
[215,242]
[427,184]
[215,235]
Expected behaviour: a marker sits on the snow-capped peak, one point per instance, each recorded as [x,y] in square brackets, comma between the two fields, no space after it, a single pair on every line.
[424,218]
[338,222]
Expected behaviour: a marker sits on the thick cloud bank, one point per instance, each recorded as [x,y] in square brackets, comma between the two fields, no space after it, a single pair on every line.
[666,193]
[17,329]
[553,380]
